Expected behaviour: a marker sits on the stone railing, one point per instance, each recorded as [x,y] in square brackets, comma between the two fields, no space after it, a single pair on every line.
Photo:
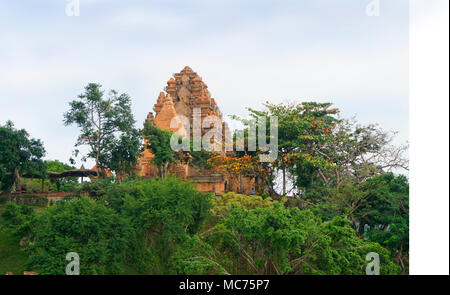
[39,199]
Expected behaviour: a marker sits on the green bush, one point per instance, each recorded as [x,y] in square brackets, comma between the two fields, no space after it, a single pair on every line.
[69,187]
[166,226]
[140,223]
[291,241]
[222,205]
[164,212]
[18,219]
[99,235]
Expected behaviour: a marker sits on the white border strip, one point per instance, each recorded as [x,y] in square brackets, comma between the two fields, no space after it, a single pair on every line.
[429,124]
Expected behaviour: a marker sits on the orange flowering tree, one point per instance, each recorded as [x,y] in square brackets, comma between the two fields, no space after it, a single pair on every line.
[247,165]
[301,128]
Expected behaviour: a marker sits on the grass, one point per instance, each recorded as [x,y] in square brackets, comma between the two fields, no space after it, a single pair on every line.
[12,258]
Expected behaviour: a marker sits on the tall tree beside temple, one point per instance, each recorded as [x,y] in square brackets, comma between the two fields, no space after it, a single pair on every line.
[122,153]
[19,155]
[158,140]
[301,126]
[103,122]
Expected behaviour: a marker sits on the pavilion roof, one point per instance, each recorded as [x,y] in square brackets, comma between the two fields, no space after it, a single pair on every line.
[73,173]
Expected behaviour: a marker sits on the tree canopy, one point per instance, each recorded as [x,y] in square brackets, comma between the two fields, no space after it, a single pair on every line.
[19,154]
[158,140]
[106,128]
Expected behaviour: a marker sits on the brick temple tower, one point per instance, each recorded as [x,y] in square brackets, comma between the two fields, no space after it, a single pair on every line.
[186,91]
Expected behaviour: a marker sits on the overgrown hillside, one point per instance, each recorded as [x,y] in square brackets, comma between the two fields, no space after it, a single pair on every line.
[165,226]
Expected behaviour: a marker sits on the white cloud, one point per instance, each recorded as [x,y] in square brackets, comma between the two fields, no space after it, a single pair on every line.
[149,19]
[278,55]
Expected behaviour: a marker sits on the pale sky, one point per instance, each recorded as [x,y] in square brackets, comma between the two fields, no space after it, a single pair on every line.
[247,52]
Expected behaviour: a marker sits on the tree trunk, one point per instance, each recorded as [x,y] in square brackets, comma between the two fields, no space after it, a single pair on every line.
[166,169]
[8,194]
[15,184]
[284,180]
[96,166]
[17,180]
[103,173]
[240,184]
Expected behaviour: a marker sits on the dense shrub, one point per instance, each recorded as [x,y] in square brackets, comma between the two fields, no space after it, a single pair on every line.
[94,189]
[165,226]
[164,212]
[277,240]
[222,204]
[378,209]
[99,236]
[18,219]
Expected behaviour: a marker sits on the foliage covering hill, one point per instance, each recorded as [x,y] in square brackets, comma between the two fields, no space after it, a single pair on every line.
[165,226]
[12,258]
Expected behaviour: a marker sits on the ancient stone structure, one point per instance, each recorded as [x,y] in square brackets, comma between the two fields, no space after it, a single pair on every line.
[184,93]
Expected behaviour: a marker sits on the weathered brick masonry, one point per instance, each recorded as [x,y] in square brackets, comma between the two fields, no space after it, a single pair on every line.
[184,92]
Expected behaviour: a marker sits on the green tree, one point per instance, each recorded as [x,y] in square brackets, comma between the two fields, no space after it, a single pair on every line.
[158,140]
[301,126]
[387,214]
[378,210]
[103,122]
[277,240]
[101,238]
[316,148]
[358,153]
[122,153]
[222,206]
[164,212]
[19,155]
[57,166]
[18,219]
